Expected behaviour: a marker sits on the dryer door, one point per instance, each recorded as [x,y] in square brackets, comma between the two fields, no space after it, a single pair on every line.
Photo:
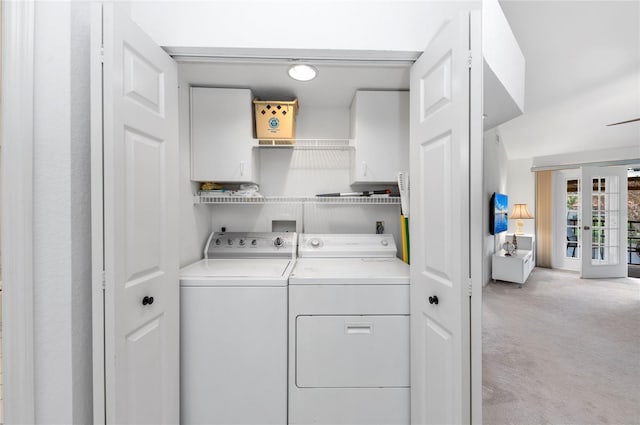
[352,351]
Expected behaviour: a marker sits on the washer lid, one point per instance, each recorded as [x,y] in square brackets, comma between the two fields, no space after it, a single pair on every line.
[255,268]
[346,245]
[350,271]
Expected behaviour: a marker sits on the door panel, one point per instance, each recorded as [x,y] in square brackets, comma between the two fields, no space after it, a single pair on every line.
[440,351]
[144,357]
[135,169]
[145,184]
[435,87]
[441,131]
[604,222]
[435,155]
[143,82]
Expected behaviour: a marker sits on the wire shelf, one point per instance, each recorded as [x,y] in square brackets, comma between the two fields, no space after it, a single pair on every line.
[337,144]
[262,200]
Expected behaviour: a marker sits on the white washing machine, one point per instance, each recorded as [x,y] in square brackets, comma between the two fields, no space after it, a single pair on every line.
[349,332]
[233,330]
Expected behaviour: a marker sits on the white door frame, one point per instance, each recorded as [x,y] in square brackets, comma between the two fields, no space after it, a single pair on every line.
[18,32]
[476,233]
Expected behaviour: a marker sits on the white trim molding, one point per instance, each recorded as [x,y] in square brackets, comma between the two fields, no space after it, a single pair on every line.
[597,158]
[476,229]
[18,30]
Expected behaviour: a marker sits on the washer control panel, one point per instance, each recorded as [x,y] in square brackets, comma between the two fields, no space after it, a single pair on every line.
[250,245]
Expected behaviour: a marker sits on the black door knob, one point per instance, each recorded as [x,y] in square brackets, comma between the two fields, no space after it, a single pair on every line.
[147,300]
[433,300]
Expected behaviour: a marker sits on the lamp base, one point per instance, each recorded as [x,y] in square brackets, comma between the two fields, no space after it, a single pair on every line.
[519,225]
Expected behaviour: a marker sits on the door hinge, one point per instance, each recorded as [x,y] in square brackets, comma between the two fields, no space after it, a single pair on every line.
[470,59]
[102,54]
[104,279]
[469,287]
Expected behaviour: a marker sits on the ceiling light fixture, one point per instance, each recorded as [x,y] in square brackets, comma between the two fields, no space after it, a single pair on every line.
[302,72]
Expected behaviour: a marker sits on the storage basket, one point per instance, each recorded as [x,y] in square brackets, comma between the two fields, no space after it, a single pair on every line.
[276,120]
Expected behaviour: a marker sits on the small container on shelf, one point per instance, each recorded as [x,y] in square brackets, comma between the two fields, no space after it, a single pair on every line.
[275,121]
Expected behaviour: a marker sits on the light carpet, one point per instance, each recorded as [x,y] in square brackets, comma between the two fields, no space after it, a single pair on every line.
[561,350]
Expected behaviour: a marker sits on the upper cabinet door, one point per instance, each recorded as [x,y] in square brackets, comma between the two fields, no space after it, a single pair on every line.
[380,135]
[134,87]
[222,135]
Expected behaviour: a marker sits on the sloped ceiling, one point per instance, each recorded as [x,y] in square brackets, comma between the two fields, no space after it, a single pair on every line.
[582,72]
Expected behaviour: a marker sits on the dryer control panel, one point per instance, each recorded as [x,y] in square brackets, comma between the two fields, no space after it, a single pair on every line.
[346,245]
[251,245]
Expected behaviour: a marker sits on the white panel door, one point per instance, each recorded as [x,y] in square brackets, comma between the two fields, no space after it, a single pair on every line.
[442,83]
[135,198]
[604,222]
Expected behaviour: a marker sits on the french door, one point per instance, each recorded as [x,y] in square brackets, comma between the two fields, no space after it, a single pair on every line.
[567,220]
[604,222]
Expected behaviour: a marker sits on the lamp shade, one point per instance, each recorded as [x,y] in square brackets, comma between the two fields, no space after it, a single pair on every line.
[520,211]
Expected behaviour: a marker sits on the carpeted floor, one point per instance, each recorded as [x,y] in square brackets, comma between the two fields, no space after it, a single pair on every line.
[561,350]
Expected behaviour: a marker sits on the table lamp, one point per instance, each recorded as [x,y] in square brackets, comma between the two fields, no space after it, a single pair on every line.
[520,212]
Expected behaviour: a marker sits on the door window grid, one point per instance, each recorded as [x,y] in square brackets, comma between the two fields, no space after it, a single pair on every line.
[573,243]
[605,223]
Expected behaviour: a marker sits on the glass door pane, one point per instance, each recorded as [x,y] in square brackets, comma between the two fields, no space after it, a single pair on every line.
[574,240]
[605,212]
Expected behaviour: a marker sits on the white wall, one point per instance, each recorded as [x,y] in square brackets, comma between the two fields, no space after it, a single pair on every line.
[308,24]
[494,180]
[284,172]
[581,75]
[578,123]
[282,24]
[61,214]
[521,188]
[289,172]
[501,51]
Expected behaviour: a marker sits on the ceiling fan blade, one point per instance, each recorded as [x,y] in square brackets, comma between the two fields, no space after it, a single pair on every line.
[623,122]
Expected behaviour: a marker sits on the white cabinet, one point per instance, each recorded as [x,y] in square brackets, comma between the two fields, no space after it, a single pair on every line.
[380,135]
[222,135]
[517,267]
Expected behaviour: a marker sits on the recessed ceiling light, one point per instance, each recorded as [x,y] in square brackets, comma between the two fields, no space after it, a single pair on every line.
[302,72]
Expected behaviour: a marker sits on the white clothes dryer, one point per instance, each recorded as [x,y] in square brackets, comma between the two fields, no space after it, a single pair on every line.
[349,331]
[233,330]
